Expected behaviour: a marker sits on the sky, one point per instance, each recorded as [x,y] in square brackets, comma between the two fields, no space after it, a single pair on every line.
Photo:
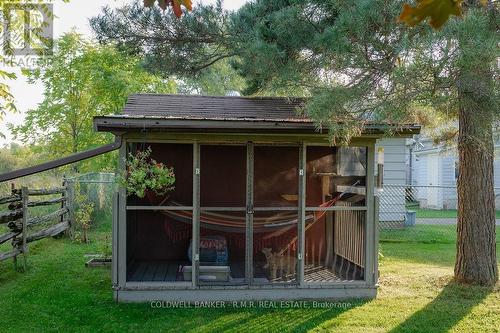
[68,16]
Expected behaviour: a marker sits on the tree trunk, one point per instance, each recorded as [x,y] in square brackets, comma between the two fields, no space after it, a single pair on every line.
[476,249]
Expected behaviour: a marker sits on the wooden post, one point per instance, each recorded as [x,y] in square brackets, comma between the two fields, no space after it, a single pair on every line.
[122,221]
[114,238]
[370,245]
[69,193]
[14,259]
[302,213]
[24,232]
[249,215]
[326,195]
[376,212]
[195,245]
[64,204]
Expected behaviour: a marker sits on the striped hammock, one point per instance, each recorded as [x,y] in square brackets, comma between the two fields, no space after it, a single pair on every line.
[234,223]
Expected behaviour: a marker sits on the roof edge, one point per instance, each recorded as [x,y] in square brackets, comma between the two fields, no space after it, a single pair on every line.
[114,123]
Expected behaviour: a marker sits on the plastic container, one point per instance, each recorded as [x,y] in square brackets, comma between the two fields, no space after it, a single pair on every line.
[410,218]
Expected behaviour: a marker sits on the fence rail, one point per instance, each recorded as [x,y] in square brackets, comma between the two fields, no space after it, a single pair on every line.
[24,229]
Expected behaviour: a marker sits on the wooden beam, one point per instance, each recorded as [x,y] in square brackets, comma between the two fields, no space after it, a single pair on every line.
[48,191]
[7,236]
[48,217]
[49,232]
[17,205]
[10,215]
[10,254]
[9,198]
[62,161]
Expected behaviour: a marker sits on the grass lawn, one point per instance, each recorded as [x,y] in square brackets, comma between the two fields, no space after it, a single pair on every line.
[434,213]
[416,295]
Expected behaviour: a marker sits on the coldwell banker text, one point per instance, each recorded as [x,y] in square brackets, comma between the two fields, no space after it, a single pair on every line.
[251,304]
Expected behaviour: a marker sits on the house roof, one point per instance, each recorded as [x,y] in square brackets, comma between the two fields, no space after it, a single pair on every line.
[215,107]
[194,112]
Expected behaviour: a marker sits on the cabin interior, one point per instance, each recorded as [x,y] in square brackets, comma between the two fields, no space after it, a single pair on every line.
[159,241]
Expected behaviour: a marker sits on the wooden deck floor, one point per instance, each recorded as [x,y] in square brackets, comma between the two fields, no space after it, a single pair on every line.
[315,273]
[156,271]
[169,272]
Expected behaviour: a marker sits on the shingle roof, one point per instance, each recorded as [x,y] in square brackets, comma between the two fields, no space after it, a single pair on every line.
[215,107]
[219,113]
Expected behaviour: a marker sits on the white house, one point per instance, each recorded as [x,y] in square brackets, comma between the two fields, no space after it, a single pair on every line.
[436,167]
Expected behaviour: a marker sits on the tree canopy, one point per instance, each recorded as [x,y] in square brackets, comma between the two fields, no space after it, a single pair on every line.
[354,59]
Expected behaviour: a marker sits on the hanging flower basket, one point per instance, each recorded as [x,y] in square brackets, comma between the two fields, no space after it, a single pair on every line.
[146,177]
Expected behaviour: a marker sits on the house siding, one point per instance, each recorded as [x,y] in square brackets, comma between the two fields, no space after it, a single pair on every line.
[436,167]
[392,199]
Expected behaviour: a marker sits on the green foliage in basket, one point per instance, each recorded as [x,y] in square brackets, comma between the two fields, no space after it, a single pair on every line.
[145,174]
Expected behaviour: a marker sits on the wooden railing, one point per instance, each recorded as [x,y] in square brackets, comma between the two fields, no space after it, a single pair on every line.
[22,226]
[349,242]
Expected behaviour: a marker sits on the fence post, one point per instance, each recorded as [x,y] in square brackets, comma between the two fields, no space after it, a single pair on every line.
[13,192]
[24,232]
[63,203]
[70,203]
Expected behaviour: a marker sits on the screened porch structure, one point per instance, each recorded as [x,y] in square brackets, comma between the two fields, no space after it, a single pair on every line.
[263,206]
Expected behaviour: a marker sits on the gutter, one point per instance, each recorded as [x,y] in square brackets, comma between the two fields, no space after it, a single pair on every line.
[62,161]
[111,124]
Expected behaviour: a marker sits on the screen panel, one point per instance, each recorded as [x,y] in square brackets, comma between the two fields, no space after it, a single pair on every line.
[222,247]
[276,179]
[335,175]
[223,176]
[158,246]
[179,156]
[275,244]
[334,246]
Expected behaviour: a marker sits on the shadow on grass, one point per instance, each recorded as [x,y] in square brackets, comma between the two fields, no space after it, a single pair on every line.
[270,320]
[446,310]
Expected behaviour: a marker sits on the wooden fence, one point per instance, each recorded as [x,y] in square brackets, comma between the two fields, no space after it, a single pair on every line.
[24,229]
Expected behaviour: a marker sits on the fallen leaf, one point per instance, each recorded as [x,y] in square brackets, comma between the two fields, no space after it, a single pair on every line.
[188,4]
[176,5]
[438,11]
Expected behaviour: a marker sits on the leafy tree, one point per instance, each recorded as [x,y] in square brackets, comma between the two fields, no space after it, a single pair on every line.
[358,65]
[15,24]
[218,80]
[82,80]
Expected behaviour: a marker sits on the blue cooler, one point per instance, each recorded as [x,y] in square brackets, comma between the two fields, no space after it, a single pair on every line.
[213,251]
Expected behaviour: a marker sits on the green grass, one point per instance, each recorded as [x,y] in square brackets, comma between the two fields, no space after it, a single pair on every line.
[438,214]
[416,294]
[425,233]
